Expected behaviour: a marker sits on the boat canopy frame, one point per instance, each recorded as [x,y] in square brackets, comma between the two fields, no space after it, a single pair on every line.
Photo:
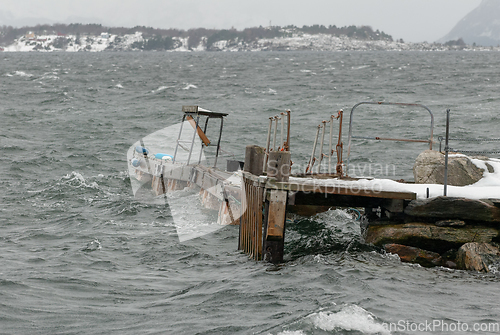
[193,114]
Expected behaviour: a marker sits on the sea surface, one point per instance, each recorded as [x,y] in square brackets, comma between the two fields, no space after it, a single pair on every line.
[80,255]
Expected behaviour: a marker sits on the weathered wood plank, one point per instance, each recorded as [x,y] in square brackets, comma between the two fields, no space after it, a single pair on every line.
[278,165]
[277,214]
[254,159]
[200,132]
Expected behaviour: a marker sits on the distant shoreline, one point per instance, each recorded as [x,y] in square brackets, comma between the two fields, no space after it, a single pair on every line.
[304,42]
[95,38]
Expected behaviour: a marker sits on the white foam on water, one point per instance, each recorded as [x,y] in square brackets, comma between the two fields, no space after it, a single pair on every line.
[77,179]
[292,332]
[161,88]
[350,318]
[360,67]
[189,86]
[22,74]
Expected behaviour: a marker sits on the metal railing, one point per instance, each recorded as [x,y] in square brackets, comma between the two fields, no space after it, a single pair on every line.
[272,132]
[338,149]
[193,115]
[448,149]
[430,140]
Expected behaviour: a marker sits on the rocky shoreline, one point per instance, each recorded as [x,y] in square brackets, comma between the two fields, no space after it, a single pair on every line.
[454,232]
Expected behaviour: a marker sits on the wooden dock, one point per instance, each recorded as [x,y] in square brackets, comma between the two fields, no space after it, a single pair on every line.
[259,198]
[268,198]
[259,201]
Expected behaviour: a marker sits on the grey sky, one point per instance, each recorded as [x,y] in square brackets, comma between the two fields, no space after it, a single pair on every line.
[412,20]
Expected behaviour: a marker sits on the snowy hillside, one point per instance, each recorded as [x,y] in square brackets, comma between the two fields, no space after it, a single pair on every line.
[295,41]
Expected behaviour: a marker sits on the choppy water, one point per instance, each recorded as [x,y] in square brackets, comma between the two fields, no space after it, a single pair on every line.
[79,255]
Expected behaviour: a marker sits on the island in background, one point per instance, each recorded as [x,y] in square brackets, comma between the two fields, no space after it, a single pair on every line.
[95,37]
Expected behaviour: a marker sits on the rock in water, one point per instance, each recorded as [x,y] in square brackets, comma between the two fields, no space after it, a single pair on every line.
[477,256]
[455,208]
[428,236]
[414,255]
[429,169]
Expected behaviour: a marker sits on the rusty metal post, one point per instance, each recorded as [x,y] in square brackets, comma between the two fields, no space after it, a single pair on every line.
[311,161]
[330,151]
[282,118]
[321,145]
[287,146]
[276,118]
[340,146]
[268,143]
[446,150]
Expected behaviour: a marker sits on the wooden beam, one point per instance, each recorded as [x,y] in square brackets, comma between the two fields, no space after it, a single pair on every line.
[200,132]
[341,190]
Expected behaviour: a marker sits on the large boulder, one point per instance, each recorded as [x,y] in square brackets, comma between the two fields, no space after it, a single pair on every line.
[428,236]
[477,256]
[455,208]
[429,169]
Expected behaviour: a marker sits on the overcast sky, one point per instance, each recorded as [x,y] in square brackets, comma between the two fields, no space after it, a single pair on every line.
[412,20]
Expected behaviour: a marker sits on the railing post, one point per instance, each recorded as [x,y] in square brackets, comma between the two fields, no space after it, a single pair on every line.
[330,151]
[311,161]
[446,151]
[268,143]
[323,125]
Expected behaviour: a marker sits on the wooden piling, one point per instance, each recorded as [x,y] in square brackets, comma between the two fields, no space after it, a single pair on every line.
[254,159]
[262,225]
[250,240]
[278,168]
[278,165]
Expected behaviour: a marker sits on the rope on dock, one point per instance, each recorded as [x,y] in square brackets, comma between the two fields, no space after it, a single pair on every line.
[440,138]
[474,152]
[473,139]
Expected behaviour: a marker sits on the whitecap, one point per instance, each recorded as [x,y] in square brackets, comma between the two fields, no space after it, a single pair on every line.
[77,179]
[360,67]
[189,86]
[23,74]
[118,86]
[92,246]
[49,76]
[349,318]
[162,88]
